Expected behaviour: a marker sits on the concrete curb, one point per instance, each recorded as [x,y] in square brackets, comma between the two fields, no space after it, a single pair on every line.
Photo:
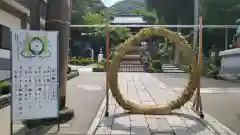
[207,118]
[97,119]
[72,75]
[234,80]
[215,125]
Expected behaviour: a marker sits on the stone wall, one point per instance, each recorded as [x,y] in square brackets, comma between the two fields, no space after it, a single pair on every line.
[230,63]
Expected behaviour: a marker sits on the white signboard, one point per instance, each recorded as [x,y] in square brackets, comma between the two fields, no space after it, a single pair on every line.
[34,75]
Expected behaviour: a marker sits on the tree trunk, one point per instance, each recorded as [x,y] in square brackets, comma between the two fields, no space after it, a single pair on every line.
[57,19]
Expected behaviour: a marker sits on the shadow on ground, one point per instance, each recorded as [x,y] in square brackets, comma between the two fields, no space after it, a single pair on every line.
[199,123]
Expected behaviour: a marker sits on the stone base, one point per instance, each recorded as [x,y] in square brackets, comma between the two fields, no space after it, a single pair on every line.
[65,115]
[98,70]
[230,77]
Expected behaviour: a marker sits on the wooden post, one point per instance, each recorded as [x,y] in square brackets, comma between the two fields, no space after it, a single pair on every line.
[35,15]
[107,69]
[57,19]
[24,21]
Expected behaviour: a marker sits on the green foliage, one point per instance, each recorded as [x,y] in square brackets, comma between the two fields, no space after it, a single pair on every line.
[91,18]
[157,65]
[214,67]
[151,70]
[215,12]
[81,61]
[102,63]
[149,16]
[4,84]
[5,88]
[213,71]
[81,7]
[117,34]
[220,11]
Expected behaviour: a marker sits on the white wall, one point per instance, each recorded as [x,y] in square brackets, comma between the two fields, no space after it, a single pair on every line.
[9,20]
[4,54]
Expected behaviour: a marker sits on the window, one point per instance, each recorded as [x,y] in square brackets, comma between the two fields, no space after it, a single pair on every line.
[5,37]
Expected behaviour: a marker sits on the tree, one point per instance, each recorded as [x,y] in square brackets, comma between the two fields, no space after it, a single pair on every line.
[215,12]
[149,16]
[81,7]
[117,34]
[96,35]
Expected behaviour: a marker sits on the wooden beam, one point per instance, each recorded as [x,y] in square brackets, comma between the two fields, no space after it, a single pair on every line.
[11,9]
[17,13]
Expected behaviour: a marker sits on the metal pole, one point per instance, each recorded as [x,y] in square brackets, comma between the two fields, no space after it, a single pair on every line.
[196,17]
[107,70]
[155,26]
[226,38]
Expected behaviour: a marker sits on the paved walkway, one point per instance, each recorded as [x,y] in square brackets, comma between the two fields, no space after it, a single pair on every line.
[87,68]
[145,89]
[84,94]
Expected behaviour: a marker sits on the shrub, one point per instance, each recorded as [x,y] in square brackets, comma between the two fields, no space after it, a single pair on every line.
[156,64]
[102,63]
[151,70]
[81,61]
[5,88]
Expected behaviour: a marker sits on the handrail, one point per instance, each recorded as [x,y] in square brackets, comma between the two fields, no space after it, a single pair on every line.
[155,26]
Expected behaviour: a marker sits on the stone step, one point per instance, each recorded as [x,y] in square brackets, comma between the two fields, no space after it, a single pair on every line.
[169,68]
[130,62]
[131,68]
[137,50]
[173,71]
[131,57]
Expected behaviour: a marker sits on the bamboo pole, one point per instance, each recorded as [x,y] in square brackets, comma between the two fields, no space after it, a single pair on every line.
[197,104]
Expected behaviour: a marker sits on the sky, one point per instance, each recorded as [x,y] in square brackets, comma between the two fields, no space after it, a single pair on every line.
[109,3]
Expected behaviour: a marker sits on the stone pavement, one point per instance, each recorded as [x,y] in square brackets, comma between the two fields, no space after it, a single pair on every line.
[143,88]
